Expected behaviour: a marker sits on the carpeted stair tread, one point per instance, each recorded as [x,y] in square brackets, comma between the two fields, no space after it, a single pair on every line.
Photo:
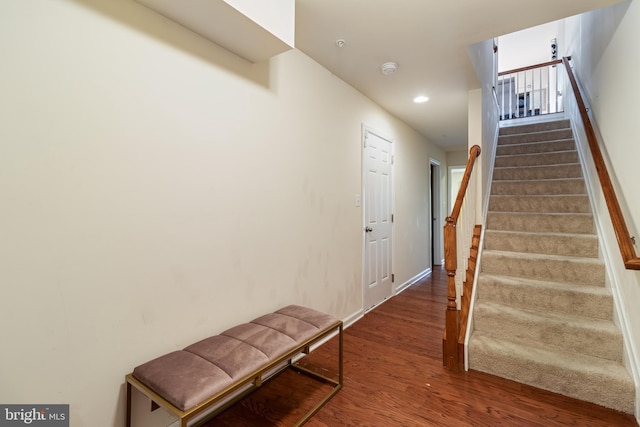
[535,159]
[536,147]
[583,335]
[586,301]
[541,222]
[582,271]
[566,170]
[582,245]
[565,203]
[556,186]
[535,127]
[588,378]
[546,135]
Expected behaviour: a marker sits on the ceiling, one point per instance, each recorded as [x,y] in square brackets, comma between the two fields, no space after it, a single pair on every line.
[428,39]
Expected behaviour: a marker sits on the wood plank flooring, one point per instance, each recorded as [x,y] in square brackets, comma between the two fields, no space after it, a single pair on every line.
[393,376]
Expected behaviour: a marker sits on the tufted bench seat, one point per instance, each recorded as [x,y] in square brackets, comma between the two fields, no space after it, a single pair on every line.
[215,372]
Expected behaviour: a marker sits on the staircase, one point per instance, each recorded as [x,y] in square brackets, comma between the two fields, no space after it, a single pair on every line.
[543,315]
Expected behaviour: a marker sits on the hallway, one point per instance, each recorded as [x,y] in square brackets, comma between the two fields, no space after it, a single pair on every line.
[394,377]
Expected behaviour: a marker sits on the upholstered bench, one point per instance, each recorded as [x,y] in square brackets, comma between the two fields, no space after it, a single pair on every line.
[212,374]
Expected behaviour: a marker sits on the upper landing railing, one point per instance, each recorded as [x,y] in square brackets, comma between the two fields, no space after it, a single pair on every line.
[530,91]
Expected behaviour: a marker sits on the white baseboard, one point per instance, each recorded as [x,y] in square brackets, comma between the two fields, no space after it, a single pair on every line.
[352,318]
[413,280]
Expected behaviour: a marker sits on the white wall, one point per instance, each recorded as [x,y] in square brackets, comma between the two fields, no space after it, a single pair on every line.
[483,118]
[156,189]
[530,46]
[276,16]
[602,44]
[457,158]
[412,218]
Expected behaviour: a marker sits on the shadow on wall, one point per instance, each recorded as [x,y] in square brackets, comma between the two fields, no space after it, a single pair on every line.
[142,19]
[607,21]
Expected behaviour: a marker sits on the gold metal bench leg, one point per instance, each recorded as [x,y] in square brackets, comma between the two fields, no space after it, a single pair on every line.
[341,359]
[337,385]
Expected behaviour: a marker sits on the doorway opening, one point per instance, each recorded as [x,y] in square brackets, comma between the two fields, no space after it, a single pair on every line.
[455,180]
[435,213]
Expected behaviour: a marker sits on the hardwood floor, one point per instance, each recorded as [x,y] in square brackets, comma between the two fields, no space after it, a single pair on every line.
[393,376]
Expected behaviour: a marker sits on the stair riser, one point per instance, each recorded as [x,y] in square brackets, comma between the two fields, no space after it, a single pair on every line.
[535,127]
[548,299]
[536,147]
[567,338]
[554,270]
[543,223]
[539,172]
[552,135]
[573,383]
[557,158]
[535,187]
[579,246]
[542,204]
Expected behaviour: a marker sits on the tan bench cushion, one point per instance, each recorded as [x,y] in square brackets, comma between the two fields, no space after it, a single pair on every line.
[314,317]
[269,341]
[293,328]
[187,378]
[182,378]
[235,357]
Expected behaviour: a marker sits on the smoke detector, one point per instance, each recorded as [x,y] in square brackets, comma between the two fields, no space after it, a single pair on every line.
[389,68]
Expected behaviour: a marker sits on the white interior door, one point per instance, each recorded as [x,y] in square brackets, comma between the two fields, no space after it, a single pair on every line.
[378,277]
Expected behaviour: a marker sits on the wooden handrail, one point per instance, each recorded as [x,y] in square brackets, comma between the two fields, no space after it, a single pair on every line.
[451,356]
[474,152]
[530,67]
[625,242]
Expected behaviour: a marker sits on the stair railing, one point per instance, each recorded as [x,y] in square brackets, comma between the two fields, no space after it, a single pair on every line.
[625,241]
[529,91]
[453,352]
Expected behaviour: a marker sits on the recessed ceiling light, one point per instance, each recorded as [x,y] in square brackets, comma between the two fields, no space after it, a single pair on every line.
[420,99]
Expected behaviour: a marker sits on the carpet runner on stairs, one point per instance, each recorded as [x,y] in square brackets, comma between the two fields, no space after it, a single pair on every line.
[543,315]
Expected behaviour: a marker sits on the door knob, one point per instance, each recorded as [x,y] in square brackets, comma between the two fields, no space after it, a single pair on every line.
[368,229]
